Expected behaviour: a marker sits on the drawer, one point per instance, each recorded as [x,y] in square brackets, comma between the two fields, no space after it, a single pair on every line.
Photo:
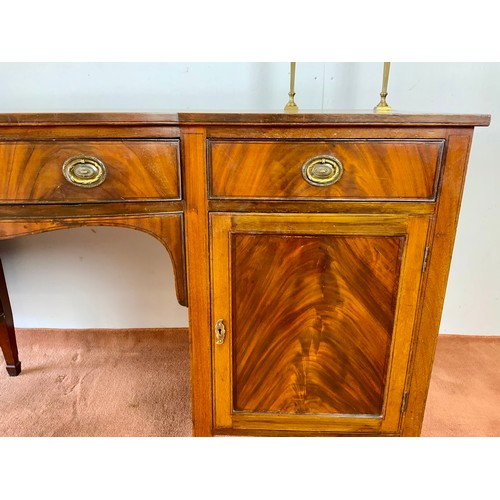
[341,169]
[89,171]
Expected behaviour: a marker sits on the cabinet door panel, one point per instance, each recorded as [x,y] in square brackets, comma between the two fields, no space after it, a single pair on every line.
[312,321]
[311,312]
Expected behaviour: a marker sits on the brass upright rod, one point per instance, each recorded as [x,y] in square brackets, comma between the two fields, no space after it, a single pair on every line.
[291,107]
[385,78]
[382,106]
[292,77]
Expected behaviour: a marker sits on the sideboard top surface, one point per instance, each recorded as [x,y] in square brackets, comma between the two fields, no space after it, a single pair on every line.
[246,118]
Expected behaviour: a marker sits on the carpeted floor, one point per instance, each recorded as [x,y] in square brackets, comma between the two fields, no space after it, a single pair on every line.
[98,383]
[464,395]
[136,383]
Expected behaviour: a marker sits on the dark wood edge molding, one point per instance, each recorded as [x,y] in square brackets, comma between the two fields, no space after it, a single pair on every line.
[243,118]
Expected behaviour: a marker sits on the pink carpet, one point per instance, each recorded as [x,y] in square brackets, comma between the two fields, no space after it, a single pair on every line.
[136,383]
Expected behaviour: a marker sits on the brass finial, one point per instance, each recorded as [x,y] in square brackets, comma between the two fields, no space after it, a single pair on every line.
[291,107]
[382,106]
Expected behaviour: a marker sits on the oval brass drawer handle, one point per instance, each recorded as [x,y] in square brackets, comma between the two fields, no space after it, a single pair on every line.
[322,170]
[84,171]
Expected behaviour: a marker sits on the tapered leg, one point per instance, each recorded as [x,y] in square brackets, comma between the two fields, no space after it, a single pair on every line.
[7,331]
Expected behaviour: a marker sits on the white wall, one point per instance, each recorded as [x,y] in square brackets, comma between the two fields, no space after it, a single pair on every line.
[113,278]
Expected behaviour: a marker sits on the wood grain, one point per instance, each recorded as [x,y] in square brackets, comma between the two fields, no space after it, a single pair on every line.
[70,119]
[307,333]
[337,118]
[363,333]
[193,118]
[433,295]
[324,131]
[321,339]
[323,206]
[32,171]
[197,253]
[372,169]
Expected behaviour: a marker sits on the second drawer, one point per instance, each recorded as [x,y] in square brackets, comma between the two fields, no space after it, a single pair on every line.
[360,169]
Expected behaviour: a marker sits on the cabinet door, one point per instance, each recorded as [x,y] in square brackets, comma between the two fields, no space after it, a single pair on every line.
[313,317]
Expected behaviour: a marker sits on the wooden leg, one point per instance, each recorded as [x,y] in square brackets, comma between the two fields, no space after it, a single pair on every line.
[7,331]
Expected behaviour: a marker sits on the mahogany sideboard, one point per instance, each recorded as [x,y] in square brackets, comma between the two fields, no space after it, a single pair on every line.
[312,249]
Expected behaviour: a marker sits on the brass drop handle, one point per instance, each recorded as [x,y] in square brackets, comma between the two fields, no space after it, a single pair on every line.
[220,332]
[322,170]
[84,171]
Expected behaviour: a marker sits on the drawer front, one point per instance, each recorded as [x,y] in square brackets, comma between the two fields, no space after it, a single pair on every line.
[89,171]
[359,169]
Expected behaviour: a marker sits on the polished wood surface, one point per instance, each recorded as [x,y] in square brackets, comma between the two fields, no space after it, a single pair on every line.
[191,118]
[8,342]
[319,311]
[77,119]
[321,339]
[433,294]
[327,117]
[330,305]
[198,271]
[32,171]
[372,169]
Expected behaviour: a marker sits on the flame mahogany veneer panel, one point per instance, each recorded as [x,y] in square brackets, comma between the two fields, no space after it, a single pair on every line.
[312,322]
[136,169]
[379,169]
